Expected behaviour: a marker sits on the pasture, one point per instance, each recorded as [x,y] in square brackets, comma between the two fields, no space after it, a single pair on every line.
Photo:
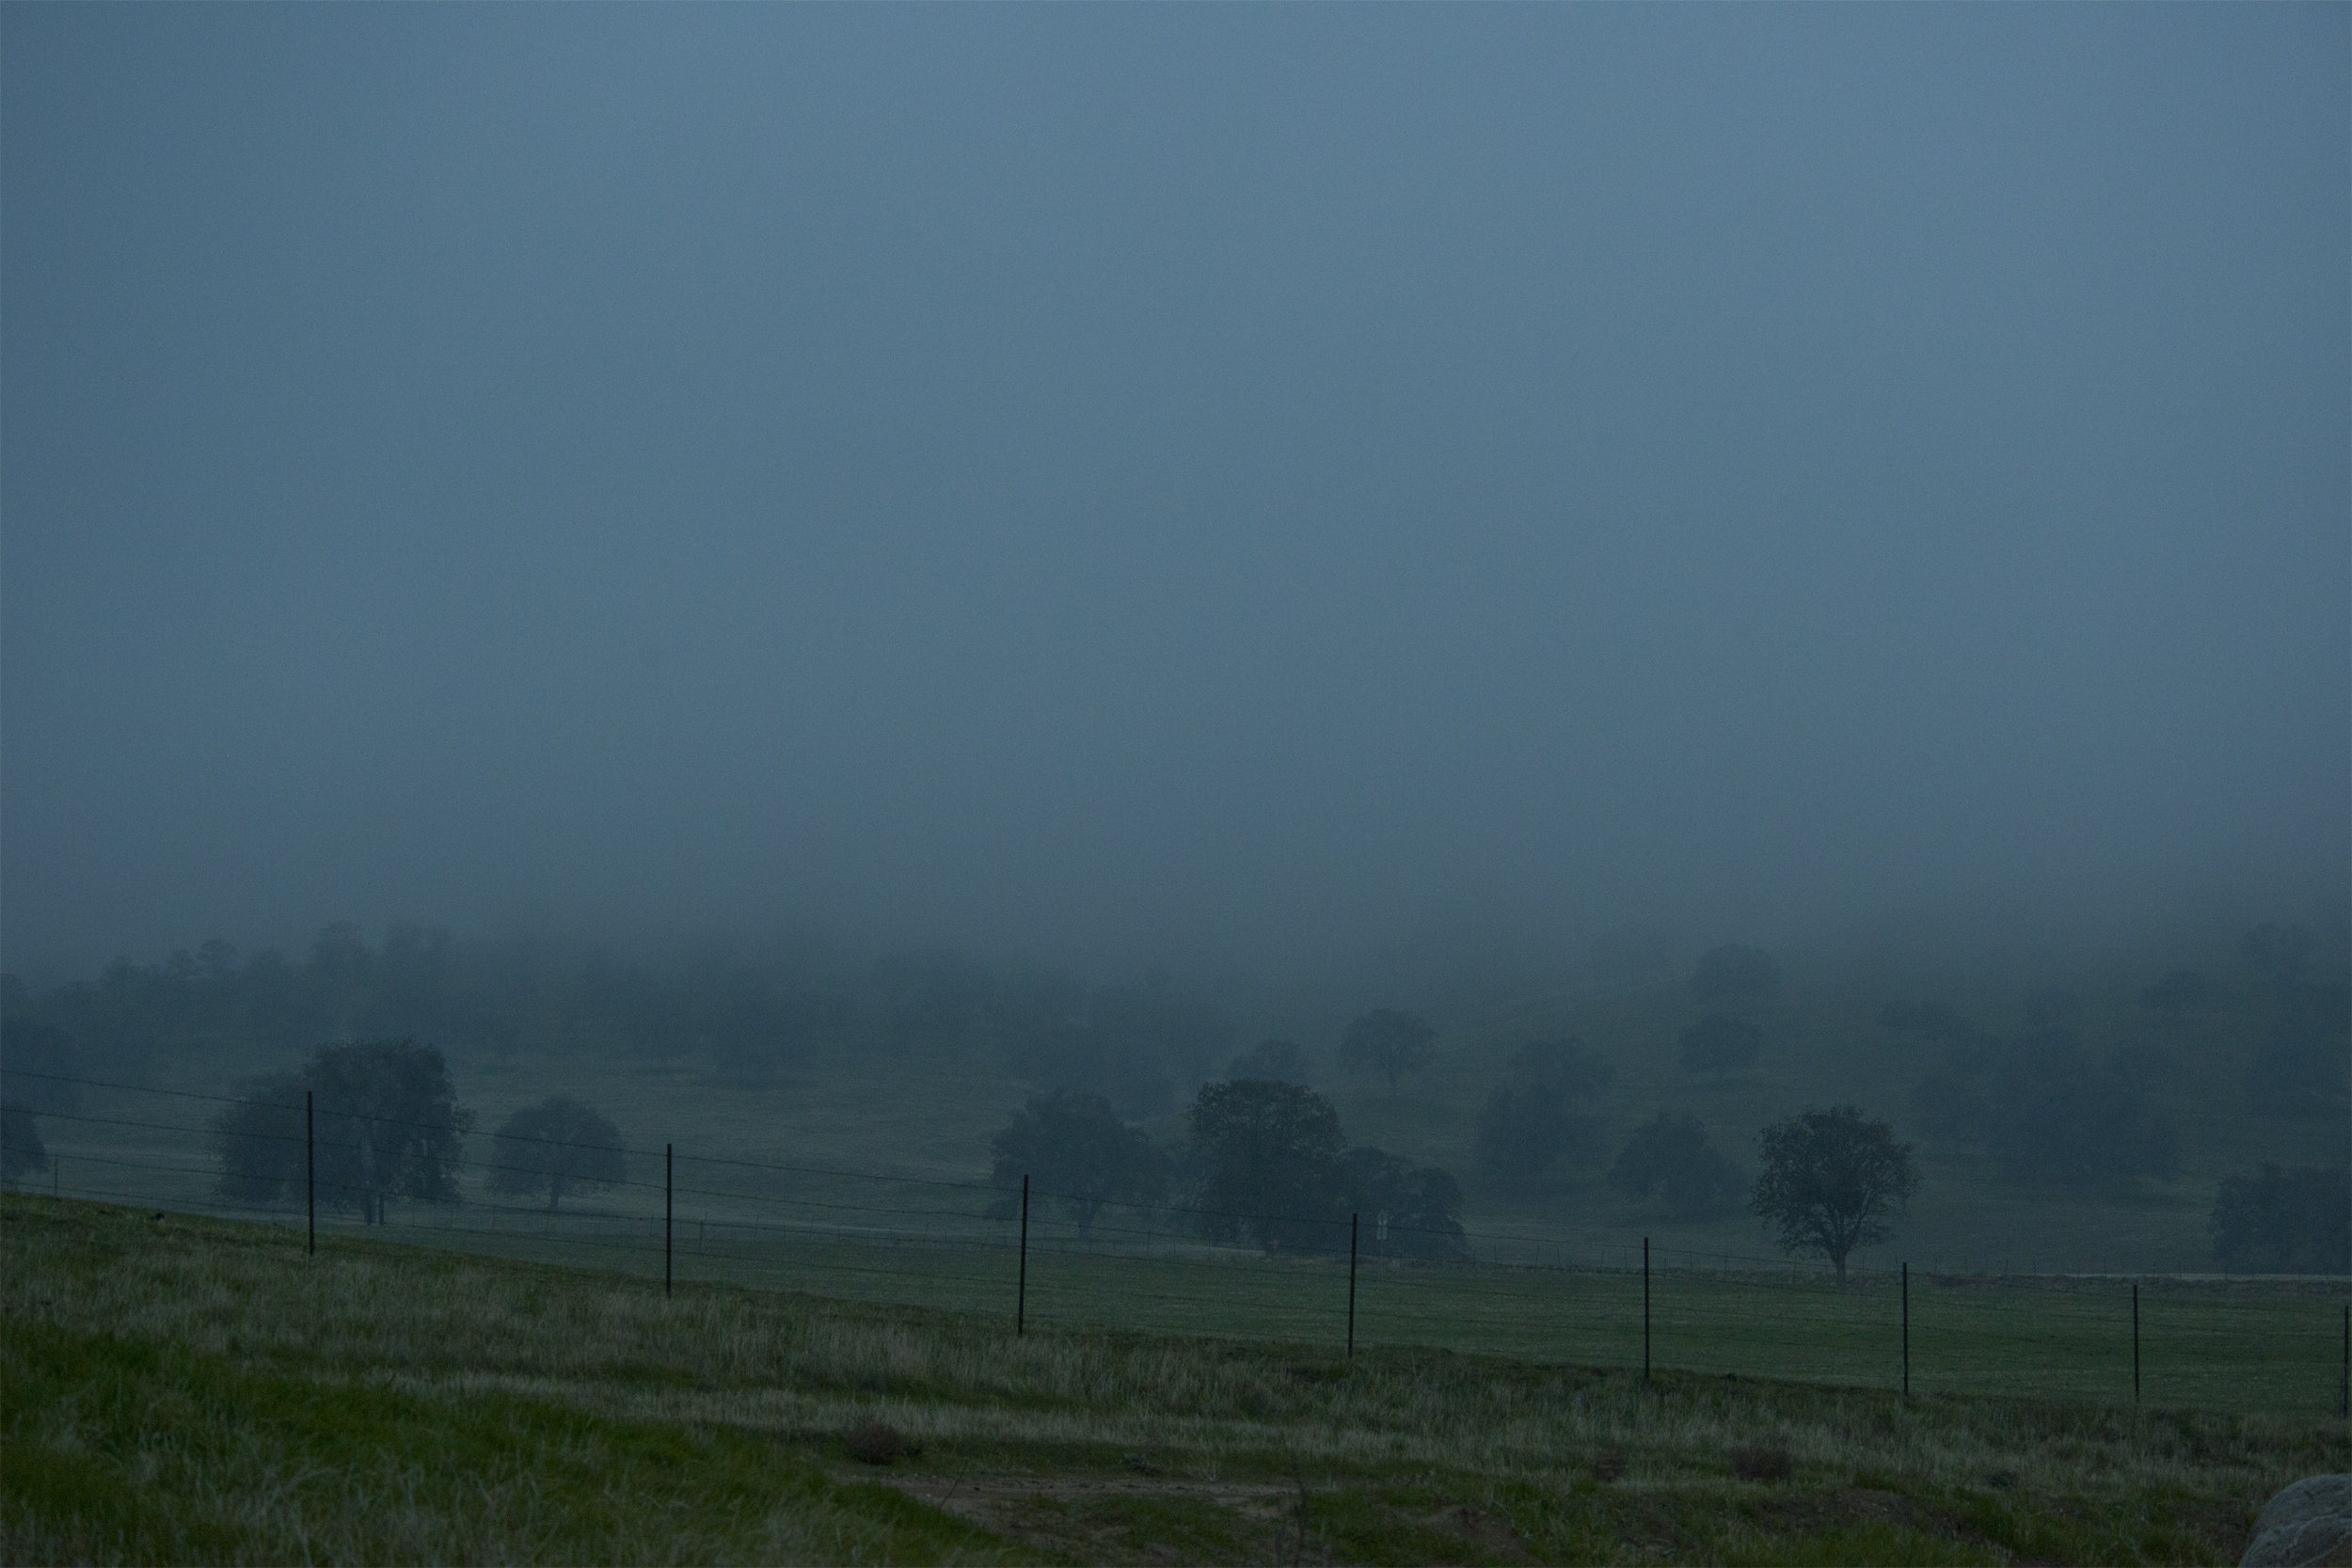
[200,1389]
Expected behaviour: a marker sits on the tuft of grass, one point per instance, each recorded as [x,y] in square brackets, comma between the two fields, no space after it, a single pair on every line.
[873,1442]
[1759,1462]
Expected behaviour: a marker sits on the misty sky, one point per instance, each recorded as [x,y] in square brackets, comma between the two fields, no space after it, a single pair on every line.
[1065,475]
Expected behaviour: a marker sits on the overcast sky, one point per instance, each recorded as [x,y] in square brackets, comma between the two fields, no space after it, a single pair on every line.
[1067,475]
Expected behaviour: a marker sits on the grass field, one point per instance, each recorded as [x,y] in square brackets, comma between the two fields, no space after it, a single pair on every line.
[194,1389]
[2240,1345]
[2247,1345]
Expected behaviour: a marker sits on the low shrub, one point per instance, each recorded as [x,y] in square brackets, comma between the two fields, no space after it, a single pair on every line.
[873,1442]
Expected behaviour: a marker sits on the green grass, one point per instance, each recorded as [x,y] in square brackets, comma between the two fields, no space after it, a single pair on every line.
[192,1389]
[2252,1346]
[123,1449]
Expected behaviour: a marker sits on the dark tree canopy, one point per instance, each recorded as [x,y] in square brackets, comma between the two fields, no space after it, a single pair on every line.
[1407,1211]
[21,1149]
[555,1145]
[1671,1157]
[1720,1042]
[2278,1220]
[1276,1061]
[1271,1152]
[1387,1040]
[1529,1123]
[2049,1112]
[388,1126]
[1076,1151]
[1831,1181]
[1736,977]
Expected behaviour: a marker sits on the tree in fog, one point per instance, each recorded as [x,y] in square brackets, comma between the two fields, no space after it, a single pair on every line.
[1831,1181]
[553,1146]
[1387,1040]
[388,1126]
[1671,1157]
[1075,1151]
[1276,1061]
[21,1149]
[2299,1070]
[1720,1042]
[2049,1112]
[1736,977]
[1531,1121]
[36,1066]
[1407,1211]
[1270,1155]
[2284,1222]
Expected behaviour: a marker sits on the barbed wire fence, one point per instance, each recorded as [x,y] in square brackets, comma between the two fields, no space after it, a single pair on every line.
[2249,1343]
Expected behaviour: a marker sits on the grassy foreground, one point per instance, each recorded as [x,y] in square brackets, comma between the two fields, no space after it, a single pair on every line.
[196,1390]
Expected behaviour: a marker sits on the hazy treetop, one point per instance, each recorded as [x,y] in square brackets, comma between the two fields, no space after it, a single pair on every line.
[1166,477]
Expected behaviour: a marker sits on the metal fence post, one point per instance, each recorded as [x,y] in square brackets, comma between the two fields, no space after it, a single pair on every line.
[1353,1222]
[1645,1309]
[1020,1290]
[310,1170]
[669,1194]
[2135,1341]
[2343,1387]
[1906,1329]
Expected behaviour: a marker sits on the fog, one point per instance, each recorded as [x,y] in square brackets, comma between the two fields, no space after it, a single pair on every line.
[1209,486]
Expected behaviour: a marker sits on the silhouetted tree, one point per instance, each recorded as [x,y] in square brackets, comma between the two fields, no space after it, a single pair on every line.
[1276,1061]
[1831,1181]
[1529,1123]
[555,1145]
[388,1126]
[1735,976]
[1076,1151]
[1387,1040]
[2284,1222]
[21,1149]
[1270,1154]
[1671,1157]
[1720,1042]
